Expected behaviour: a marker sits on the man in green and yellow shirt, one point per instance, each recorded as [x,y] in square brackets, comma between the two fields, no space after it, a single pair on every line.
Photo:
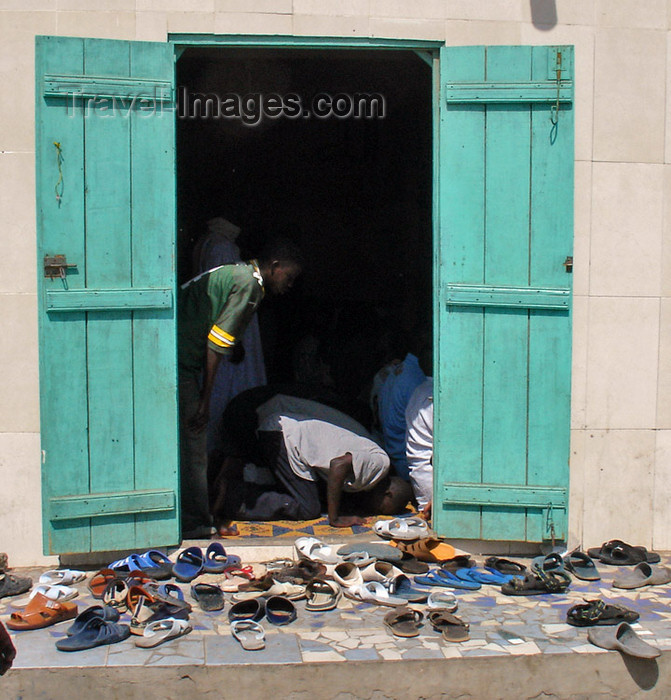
[213,311]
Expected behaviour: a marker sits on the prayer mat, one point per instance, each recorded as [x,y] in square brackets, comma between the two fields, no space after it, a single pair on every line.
[300,528]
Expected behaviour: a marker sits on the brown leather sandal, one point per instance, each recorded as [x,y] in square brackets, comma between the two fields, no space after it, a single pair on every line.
[42,612]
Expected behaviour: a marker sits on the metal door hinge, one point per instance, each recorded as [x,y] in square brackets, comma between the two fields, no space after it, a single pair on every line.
[56,266]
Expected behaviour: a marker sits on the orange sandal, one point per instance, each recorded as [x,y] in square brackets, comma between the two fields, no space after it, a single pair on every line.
[42,612]
[429,549]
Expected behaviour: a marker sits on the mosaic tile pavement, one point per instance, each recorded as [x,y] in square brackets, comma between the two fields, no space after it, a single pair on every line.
[500,625]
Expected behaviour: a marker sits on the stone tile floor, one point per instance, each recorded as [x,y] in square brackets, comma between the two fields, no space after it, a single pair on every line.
[500,625]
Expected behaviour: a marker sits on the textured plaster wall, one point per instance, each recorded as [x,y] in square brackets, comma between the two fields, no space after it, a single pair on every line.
[621,418]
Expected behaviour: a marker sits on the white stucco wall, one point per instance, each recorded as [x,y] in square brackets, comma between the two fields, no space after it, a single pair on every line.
[621,410]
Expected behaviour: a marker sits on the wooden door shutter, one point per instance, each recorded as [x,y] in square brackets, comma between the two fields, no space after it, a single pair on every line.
[105,159]
[503,290]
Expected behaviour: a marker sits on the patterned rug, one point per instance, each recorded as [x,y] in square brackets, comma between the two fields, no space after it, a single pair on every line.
[299,528]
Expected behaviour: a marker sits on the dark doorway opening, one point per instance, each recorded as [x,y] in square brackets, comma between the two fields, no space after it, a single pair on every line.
[355,192]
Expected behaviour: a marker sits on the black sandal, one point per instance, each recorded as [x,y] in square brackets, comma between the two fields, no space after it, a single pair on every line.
[505,566]
[596,612]
[537,583]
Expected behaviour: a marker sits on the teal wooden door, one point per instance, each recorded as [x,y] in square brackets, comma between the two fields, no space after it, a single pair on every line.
[105,160]
[503,292]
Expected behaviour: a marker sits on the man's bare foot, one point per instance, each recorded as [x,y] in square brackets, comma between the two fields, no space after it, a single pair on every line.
[230,530]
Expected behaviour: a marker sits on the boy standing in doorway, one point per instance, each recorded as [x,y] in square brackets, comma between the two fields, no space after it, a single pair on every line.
[214,309]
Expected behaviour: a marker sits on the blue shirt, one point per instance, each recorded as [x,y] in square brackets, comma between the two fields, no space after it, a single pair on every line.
[394,396]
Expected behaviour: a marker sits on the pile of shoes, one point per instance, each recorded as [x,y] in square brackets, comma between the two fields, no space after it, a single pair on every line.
[414,575]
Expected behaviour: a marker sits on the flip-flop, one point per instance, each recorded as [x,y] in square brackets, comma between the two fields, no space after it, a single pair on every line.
[581,566]
[622,638]
[401,587]
[375,593]
[403,622]
[505,566]
[217,561]
[441,577]
[161,631]
[104,612]
[41,612]
[250,634]
[11,585]
[280,610]
[208,596]
[64,577]
[429,549]
[596,612]
[442,600]
[189,564]
[643,574]
[322,595]
[315,550]
[252,609]
[619,553]
[61,593]
[453,628]
[401,528]
[483,575]
[384,552]
[96,632]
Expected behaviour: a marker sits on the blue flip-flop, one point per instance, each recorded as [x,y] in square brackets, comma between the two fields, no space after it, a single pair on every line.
[94,633]
[442,577]
[189,564]
[483,575]
[216,559]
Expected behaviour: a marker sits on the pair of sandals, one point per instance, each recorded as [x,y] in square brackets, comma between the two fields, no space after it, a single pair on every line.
[619,553]
[469,579]
[277,609]
[413,528]
[191,562]
[547,575]
[406,622]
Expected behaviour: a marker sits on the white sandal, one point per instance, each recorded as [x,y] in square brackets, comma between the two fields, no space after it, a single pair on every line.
[156,633]
[402,528]
[250,634]
[312,549]
[62,577]
[442,599]
[374,592]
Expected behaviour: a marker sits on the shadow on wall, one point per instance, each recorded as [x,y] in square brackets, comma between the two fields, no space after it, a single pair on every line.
[544,14]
